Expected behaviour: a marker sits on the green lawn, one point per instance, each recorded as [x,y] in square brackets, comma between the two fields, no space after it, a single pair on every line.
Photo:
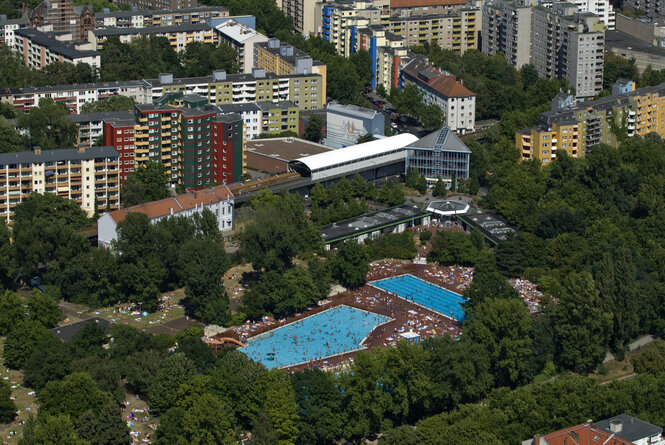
[170,310]
[25,402]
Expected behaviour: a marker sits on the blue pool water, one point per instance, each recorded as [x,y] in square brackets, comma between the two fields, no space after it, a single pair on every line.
[425,294]
[337,330]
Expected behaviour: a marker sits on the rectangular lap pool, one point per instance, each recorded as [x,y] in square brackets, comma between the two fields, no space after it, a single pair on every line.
[331,332]
[421,292]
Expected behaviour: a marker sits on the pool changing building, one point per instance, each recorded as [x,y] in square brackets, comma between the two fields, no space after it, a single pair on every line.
[439,154]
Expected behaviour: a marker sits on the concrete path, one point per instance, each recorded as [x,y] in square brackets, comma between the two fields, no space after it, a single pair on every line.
[633,346]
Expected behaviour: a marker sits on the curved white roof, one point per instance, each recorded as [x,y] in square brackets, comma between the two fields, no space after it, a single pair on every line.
[357,152]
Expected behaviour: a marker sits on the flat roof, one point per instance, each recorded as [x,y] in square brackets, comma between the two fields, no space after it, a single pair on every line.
[67,154]
[370,222]
[237,31]
[91,117]
[185,27]
[618,39]
[351,110]
[53,44]
[632,428]
[66,333]
[448,207]
[150,12]
[357,152]
[491,225]
[285,149]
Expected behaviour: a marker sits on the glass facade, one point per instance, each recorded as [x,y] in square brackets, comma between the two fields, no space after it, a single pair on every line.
[433,163]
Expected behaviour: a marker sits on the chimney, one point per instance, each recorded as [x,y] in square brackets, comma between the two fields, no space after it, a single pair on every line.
[37,150]
[616,426]
[81,148]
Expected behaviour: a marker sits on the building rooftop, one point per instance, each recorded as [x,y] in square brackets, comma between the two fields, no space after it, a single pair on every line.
[285,149]
[420,70]
[239,107]
[236,31]
[584,434]
[621,40]
[446,208]
[54,45]
[370,222]
[277,51]
[66,333]
[354,153]
[629,428]
[105,115]
[283,104]
[491,225]
[443,139]
[185,27]
[177,204]
[149,12]
[423,3]
[21,21]
[351,110]
[67,154]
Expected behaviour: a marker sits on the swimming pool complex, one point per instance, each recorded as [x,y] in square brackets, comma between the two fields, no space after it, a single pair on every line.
[421,292]
[334,331]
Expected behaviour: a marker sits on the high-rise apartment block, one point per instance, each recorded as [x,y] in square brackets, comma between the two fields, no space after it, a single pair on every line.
[568,44]
[197,143]
[242,38]
[561,41]
[506,29]
[88,176]
[653,8]
[306,15]
[146,17]
[602,8]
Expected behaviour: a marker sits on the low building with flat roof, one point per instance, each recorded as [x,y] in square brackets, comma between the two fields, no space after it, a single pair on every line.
[372,225]
[346,123]
[68,332]
[492,226]
[273,155]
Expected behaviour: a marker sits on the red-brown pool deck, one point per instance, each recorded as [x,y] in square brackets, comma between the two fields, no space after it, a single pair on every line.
[405,314]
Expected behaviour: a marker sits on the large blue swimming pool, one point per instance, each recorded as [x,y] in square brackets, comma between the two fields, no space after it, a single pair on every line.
[421,292]
[331,332]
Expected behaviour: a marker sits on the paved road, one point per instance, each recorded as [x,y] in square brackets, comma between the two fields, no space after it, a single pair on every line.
[634,345]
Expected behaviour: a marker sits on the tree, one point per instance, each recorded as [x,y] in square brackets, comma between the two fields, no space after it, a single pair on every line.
[7,406]
[280,405]
[43,309]
[452,248]
[103,427]
[362,62]
[208,421]
[198,352]
[21,342]
[140,369]
[350,264]
[313,128]
[113,103]
[431,116]
[12,311]
[440,189]
[50,360]
[48,127]
[277,233]
[89,340]
[365,138]
[73,396]
[319,404]
[581,328]
[381,91]
[529,75]
[203,265]
[201,59]
[51,429]
[503,326]
[148,183]
[10,139]
[175,369]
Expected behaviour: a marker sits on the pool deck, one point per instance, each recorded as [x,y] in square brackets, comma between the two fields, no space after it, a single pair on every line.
[403,313]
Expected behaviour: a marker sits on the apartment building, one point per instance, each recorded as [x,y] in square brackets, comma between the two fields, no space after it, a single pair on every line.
[75,95]
[406,8]
[88,176]
[569,44]
[242,38]
[388,53]
[577,127]
[602,8]
[456,101]
[162,4]
[279,117]
[219,200]
[506,28]
[197,143]
[457,31]
[284,59]
[251,115]
[179,35]
[653,8]
[40,49]
[305,90]
[342,19]
[306,15]
[136,18]
[7,28]
[91,125]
